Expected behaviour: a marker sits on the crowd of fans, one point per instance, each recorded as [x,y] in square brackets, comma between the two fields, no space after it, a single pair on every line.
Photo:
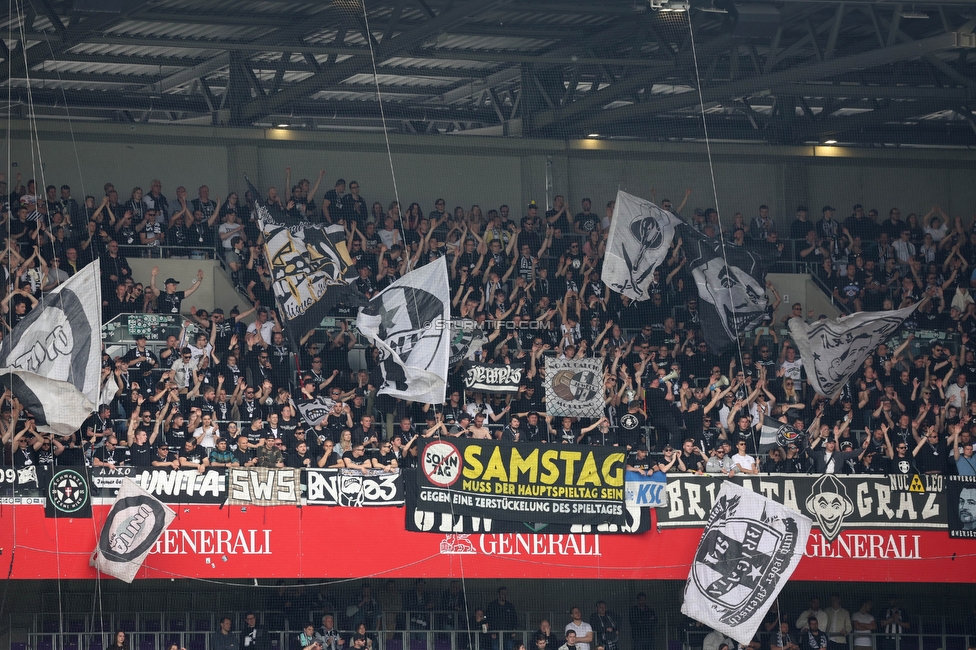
[373,618]
[222,393]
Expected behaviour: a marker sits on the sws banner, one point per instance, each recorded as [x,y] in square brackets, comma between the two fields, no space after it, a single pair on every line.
[341,487]
[167,485]
[262,486]
[835,503]
[492,377]
[564,484]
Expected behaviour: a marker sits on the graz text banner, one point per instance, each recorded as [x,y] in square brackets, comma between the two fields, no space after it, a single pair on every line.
[562,484]
[836,504]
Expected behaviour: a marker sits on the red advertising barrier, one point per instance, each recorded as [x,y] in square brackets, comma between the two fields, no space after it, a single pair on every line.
[208,541]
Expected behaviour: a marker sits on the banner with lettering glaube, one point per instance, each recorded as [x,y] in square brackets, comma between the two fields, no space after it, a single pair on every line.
[559,484]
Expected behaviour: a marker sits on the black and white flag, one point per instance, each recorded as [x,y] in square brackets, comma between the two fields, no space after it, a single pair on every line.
[748,551]
[774,432]
[731,286]
[312,411]
[466,339]
[133,525]
[52,360]
[640,234]
[310,269]
[833,350]
[574,387]
[410,323]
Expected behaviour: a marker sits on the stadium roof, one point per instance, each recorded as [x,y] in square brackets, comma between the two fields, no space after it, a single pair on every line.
[859,72]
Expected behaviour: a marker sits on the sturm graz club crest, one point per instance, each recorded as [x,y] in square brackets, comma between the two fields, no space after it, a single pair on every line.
[406,326]
[68,494]
[741,559]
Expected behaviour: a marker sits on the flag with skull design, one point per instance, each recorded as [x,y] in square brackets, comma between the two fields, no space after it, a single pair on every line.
[640,236]
[832,350]
[731,284]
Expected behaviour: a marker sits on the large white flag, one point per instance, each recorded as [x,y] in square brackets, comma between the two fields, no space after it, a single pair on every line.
[833,350]
[410,322]
[748,551]
[640,234]
[57,406]
[59,340]
[133,525]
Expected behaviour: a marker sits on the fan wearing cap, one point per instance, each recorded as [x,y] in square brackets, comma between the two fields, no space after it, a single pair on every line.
[827,458]
[170,300]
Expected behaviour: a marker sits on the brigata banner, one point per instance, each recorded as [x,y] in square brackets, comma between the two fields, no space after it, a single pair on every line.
[346,487]
[261,486]
[562,484]
[835,503]
[167,485]
[492,377]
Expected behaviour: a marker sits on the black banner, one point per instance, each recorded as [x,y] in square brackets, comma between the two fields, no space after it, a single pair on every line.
[638,520]
[68,493]
[167,485]
[342,487]
[492,377]
[835,503]
[558,484]
[961,502]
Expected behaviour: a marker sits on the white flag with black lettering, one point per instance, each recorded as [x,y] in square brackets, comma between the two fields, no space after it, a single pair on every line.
[640,234]
[133,525]
[748,551]
[53,357]
[833,350]
[410,323]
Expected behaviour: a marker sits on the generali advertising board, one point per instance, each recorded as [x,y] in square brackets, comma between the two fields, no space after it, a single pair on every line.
[286,541]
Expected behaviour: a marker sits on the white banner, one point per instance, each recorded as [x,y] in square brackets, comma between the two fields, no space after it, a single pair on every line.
[747,552]
[133,525]
[640,234]
[410,322]
[61,337]
[574,387]
[833,350]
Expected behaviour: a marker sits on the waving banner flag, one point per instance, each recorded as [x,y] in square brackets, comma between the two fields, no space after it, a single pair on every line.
[574,387]
[731,283]
[310,269]
[774,432]
[410,322]
[833,350]
[640,234]
[466,339]
[135,522]
[748,551]
[52,359]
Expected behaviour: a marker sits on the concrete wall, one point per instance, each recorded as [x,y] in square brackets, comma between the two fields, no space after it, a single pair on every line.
[492,171]
[800,288]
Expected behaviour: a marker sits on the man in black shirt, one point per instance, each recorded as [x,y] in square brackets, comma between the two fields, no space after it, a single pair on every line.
[165,458]
[170,300]
[813,638]
[502,615]
[332,202]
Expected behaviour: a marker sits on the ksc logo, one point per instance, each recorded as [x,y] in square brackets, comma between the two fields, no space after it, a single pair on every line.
[441,463]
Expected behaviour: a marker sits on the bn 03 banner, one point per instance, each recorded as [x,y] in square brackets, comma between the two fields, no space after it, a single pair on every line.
[343,487]
[563,484]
